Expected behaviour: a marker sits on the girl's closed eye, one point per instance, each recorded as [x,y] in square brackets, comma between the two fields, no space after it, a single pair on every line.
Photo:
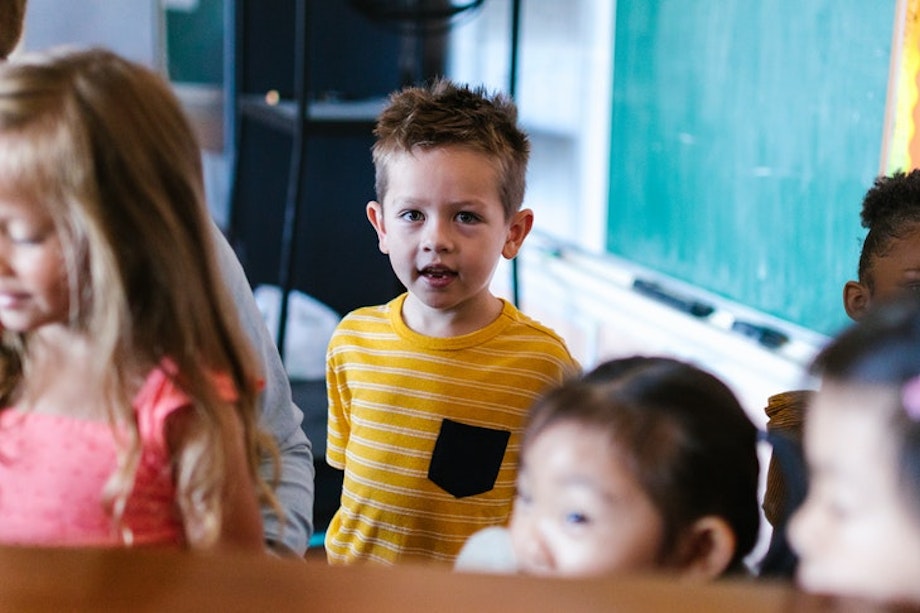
[27,237]
[21,232]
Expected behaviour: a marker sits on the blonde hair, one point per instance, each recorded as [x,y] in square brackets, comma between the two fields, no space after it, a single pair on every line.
[104,145]
[447,114]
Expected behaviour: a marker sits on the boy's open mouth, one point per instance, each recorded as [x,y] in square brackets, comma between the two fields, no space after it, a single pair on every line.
[436,272]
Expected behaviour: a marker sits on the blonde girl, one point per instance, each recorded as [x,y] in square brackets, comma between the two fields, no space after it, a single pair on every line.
[128,390]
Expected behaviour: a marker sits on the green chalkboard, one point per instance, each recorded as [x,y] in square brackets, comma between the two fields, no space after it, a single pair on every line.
[744,134]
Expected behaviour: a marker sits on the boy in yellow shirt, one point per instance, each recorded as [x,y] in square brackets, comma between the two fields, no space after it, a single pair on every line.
[428,393]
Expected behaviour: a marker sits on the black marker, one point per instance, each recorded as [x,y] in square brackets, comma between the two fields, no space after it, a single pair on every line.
[766,336]
[687,305]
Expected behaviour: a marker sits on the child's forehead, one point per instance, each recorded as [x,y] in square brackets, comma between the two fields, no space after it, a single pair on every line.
[573,455]
[903,243]
[418,150]
[578,434]
[28,168]
[852,403]
[445,158]
[848,426]
[22,190]
[446,169]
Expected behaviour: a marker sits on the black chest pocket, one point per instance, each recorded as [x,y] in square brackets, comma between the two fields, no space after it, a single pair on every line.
[466,459]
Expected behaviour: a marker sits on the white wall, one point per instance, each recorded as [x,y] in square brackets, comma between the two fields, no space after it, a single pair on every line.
[132,28]
[135,29]
[563,93]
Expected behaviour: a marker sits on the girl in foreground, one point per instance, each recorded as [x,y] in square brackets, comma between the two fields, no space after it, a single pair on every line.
[645,464]
[858,531]
[127,390]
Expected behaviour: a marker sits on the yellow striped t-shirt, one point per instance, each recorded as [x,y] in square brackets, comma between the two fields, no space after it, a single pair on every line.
[396,398]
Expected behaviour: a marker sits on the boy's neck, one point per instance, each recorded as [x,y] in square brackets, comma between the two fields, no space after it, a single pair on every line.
[444,323]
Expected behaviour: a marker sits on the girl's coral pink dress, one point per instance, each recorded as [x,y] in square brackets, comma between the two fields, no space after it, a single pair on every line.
[54,468]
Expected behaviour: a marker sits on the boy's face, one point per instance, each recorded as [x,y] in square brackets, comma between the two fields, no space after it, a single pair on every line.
[855,534]
[579,511]
[893,272]
[443,225]
[898,269]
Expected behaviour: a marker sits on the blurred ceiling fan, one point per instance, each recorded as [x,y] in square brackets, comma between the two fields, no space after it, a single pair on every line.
[414,12]
[422,26]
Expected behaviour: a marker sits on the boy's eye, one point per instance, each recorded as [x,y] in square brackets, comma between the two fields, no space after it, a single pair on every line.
[411,215]
[466,217]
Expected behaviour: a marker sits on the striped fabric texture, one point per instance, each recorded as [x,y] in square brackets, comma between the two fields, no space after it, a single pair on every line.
[397,397]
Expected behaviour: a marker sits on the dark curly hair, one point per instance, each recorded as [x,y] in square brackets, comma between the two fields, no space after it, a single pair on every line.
[890,209]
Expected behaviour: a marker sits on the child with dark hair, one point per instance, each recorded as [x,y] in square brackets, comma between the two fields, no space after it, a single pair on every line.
[889,264]
[858,532]
[890,259]
[645,464]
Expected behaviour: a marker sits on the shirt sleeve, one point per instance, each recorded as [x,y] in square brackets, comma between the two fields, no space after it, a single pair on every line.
[336,422]
[157,399]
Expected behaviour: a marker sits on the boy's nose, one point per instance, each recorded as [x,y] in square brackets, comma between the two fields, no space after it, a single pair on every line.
[437,237]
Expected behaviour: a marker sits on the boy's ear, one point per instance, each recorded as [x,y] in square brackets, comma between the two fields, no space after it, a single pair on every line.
[374,212]
[520,227]
[706,549]
[856,299]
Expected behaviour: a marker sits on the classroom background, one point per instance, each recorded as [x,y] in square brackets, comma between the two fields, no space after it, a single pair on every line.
[697,165]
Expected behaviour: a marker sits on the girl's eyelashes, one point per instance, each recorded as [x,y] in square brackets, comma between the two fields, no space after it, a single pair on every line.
[34,238]
[26,231]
